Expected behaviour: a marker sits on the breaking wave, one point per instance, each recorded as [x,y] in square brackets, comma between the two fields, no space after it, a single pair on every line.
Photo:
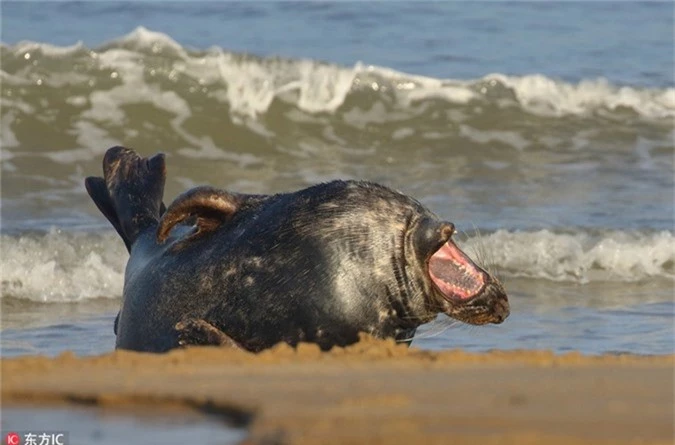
[580,257]
[136,65]
[63,266]
[59,266]
[145,83]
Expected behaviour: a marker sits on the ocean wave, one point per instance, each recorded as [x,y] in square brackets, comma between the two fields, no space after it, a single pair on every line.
[68,104]
[61,266]
[580,257]
[150,67]
[72,266]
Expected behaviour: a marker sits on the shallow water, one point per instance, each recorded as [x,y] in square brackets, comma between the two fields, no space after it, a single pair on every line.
[110,427]
[625,318]
[547,129]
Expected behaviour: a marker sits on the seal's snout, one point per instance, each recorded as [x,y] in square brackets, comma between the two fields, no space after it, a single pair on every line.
[491,305]
[497,303]
[470,294]
[501,314]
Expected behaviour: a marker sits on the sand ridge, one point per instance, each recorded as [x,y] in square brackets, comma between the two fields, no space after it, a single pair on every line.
[374,392]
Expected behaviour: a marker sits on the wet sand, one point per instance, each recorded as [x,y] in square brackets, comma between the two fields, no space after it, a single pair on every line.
[374,392]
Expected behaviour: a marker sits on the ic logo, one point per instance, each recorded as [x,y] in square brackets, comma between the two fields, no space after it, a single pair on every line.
[12,439]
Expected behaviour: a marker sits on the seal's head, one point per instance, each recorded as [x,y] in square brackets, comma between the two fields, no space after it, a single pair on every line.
[453,282]
[389,251]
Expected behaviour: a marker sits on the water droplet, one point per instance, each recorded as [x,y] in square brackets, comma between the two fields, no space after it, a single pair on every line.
[26,56]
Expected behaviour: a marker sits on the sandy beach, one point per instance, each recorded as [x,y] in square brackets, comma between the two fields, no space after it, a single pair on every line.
[374,392]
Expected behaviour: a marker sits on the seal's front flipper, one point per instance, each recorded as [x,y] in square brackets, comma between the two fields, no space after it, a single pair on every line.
[406,337]
[206,207]
[195,331]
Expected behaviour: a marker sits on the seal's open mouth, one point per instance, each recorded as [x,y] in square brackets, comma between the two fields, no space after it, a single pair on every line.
[455,275]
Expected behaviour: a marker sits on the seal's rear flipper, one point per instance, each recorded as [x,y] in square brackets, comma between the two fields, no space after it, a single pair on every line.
[99,193]
[195,331]
[130,193]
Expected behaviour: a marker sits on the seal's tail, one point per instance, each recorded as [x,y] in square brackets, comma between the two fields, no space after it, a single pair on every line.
[130,192]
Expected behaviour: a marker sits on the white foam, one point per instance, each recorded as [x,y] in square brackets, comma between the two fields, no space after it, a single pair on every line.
[536,93]
[18,105]
[77,101]
[105,104]
[250,88]
[143,38]
[613,256]
[402,133]
[253,83]
[46,49]
[323,88]
[208,150]
[7,138]
[62,267]
[457,94]
[91,137]
[12,80]
[542,95]
[61,80]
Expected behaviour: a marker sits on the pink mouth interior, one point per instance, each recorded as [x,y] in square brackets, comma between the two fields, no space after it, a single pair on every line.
[454,273]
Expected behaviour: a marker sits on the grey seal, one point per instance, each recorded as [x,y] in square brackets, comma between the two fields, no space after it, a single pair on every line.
[319,265]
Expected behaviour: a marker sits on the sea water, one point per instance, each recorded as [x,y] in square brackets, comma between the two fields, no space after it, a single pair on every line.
[544,131]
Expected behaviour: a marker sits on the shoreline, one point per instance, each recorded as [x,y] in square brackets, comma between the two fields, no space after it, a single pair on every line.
[373,392]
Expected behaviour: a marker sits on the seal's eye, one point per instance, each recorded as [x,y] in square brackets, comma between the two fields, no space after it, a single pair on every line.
[430,235]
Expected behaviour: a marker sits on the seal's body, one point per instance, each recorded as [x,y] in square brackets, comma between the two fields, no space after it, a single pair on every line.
[319,265]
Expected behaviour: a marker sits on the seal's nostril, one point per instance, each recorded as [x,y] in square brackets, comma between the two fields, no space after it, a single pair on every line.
[499,317]
[447,231]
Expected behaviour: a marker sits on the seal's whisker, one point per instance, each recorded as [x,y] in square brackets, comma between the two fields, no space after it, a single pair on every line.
[483,256]
[436,330]
[448,321]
